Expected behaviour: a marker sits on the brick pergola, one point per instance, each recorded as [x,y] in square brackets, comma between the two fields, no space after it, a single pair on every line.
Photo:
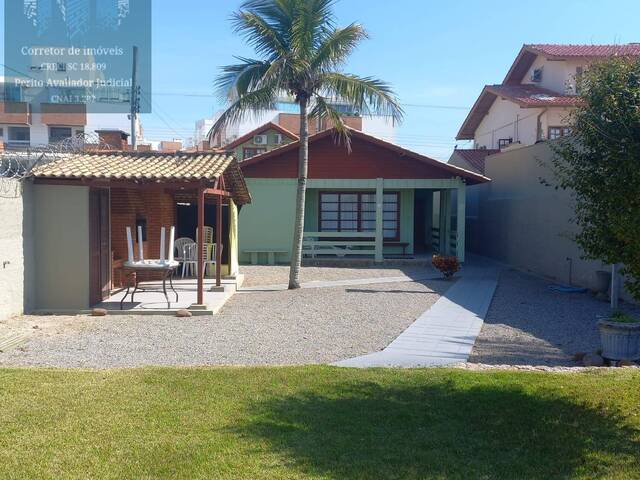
[205,177]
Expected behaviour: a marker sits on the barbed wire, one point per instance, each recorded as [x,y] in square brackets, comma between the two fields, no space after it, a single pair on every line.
[17,161]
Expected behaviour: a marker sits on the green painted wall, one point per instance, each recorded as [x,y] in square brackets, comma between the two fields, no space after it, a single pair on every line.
[271,143]
[311,210]
[61,231]
[267,223]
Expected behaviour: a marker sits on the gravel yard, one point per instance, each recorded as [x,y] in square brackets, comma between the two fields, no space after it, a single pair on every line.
[256,275]
[259,327]
[529,324]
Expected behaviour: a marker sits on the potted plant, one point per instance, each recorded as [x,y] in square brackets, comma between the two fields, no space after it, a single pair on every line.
[620,336]
[447,264]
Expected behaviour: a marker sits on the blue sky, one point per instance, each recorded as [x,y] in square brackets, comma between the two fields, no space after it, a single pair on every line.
[432,52]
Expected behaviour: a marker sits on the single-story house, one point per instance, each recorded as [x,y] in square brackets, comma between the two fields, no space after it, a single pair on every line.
[376,200]
[83,202]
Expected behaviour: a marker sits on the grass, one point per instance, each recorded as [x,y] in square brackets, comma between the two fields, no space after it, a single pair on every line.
[318,422]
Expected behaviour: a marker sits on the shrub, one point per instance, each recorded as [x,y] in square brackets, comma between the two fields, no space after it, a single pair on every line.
[622,317]
[600,163]
[448,265]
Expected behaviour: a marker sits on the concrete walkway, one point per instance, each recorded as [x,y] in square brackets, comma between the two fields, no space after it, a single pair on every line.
[445,333]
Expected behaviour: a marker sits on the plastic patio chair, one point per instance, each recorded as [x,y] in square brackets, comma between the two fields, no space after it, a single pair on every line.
[208,234]
[179,244]
[209,259]
[189,259]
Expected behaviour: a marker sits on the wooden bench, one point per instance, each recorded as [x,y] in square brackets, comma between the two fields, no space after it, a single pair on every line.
[404,245]
[271,255]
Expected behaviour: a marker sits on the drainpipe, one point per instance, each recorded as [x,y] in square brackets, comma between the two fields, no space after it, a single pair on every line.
[539,125]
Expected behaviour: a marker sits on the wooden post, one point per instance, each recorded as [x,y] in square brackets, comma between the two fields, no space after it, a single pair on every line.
[461,217]
[200,267]
[379,220]
[218,240]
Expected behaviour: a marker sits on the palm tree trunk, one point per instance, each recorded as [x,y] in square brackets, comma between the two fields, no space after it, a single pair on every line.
[303,166]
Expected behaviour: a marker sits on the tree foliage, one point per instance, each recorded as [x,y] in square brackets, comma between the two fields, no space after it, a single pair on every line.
[301,53]
[600,163]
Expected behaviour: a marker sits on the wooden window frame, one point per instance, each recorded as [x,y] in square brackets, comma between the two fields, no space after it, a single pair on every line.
[564,131]
[359,220]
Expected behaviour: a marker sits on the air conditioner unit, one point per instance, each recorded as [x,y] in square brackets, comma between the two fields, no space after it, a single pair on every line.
[278,139]
[260,140]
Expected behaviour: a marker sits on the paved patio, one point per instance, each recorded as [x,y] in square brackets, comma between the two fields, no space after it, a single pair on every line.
[151,300]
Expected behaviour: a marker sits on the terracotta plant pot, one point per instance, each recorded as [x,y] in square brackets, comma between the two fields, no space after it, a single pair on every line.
[448,265]
[620,341]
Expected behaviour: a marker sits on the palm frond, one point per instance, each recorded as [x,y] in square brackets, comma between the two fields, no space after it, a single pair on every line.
[324,111]
[252,103]
[236,80]
[312,19]
[368,94]
[278,14]
[337,45]
[262,36]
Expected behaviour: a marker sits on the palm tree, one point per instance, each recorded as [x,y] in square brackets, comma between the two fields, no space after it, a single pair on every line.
[300,52]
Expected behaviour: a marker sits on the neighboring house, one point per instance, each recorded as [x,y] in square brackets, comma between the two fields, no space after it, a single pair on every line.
[533,101]
[516,218]
[379,198]
[24,123]
[261,140]
[286,115]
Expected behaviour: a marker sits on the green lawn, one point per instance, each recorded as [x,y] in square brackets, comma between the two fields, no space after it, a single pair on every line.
[318,422]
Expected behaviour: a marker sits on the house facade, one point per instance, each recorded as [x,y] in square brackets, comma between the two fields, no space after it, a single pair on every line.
[515,218]
[539,91]
[375,200]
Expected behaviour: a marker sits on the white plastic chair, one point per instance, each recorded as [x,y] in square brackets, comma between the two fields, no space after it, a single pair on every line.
[189,259]
[179,246]
[190,262]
